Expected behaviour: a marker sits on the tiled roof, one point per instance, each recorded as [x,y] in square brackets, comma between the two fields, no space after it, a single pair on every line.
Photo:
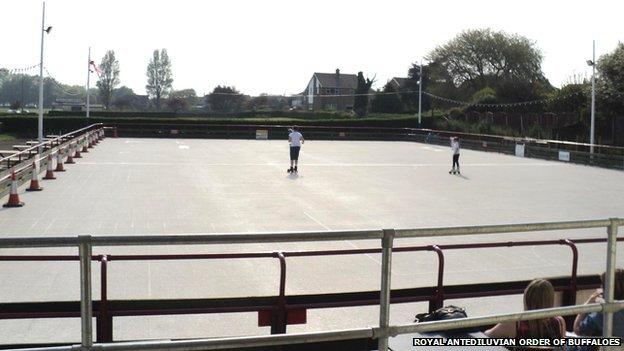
[328,80]
[400,81]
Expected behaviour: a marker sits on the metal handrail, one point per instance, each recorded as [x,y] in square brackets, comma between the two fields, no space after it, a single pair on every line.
[51,141]
[435,300]
[385,129]
[301,236]
[86,243]
[40,149]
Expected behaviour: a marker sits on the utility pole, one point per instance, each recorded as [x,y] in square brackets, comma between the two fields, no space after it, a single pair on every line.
[22,99]
[88,78]
[420,93]
[40,123]
[593,99]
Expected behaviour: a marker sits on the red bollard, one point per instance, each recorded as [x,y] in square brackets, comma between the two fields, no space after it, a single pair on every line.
[77,150]
[70,158]
[14,200]
[34,180]
[49,173]
[59,162]
[84,145]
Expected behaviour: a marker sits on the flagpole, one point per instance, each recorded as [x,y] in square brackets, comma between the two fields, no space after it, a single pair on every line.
[88,78]
[40,120]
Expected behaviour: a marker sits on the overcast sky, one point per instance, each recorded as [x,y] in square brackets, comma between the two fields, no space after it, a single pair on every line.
[274,46]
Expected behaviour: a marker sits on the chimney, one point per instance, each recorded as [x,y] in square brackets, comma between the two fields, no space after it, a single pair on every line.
[338,79]
[338,107]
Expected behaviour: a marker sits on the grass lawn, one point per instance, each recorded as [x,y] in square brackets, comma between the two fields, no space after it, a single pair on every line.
[6,137]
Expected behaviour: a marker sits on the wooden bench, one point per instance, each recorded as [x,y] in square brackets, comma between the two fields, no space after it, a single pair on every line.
[7,153]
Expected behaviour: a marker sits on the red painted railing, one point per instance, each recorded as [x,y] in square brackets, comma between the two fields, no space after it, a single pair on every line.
[282,313]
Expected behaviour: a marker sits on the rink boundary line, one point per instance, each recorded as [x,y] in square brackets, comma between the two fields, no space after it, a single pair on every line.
[552,164]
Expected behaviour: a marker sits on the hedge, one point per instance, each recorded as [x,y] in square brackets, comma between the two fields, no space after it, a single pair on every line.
[182,115]
[28,124]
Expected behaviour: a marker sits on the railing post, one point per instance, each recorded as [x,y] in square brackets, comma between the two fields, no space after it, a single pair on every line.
[609,284]
[104,326]
[86,312]
[279,318]
[568,297]
[384,293]
[439,294]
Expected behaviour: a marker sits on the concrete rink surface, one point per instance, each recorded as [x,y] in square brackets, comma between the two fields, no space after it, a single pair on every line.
[166,186]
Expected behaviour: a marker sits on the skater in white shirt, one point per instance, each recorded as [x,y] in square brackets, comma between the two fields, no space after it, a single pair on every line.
[455,148]
[295,139]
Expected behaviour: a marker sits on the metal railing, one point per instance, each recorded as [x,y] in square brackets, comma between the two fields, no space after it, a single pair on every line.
[603,156]
[21,162]
[85,245]
[278,308]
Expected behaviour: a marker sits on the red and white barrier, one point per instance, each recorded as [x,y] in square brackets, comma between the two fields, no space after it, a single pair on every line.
[77,150]
[59,162]
[14,200]
[70,152]
[34,180]
[49,173]
[84,143]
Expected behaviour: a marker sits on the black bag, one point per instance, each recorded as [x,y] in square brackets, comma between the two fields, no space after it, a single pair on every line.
[441,314]
[445,313]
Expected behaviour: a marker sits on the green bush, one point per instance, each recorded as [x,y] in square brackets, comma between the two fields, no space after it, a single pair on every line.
[63,124]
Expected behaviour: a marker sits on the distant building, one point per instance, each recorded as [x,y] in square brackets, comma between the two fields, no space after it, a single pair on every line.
[74,105]
[397,83]
[298,101]
[330,91]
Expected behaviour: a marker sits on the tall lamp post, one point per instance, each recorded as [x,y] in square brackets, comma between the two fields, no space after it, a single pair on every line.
[47,31]
[88,79]
[592,63]
[419,93]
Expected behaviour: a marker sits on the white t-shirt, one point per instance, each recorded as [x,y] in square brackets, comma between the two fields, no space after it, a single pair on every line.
[455,147]
[295,138]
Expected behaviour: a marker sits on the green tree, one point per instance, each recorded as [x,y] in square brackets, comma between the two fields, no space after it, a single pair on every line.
[610,82]
[225,99]
[486,95]
[570,98]
[123,98]
[109,78]
[176,103]
[360,105]
[4,75]
[387,101]
[259,102]
[159,76]
[189,97]
[510,64]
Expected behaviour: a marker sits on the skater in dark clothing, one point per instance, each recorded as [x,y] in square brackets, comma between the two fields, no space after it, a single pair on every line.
[295,139]
[455,148]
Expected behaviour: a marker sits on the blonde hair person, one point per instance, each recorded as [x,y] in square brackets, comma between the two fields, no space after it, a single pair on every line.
[538,294]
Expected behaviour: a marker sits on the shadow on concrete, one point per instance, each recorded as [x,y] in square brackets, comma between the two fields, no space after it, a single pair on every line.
[463,177]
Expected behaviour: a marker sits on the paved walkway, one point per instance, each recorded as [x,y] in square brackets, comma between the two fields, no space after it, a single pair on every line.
[165,186]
